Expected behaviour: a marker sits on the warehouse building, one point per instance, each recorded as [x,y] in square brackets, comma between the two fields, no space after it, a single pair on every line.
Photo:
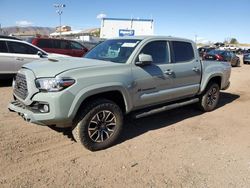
[117,27]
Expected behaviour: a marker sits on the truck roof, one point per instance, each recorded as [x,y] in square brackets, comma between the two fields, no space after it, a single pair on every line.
[154,37]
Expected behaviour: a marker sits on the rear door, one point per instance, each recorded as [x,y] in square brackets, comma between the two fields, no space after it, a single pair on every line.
[187,69]
[65,47]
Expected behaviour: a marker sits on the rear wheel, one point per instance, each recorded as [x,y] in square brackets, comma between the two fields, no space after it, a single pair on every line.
[99,125]
[238,63]
[210,98]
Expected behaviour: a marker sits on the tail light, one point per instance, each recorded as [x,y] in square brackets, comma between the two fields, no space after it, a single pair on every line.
[218,57]
[204,56]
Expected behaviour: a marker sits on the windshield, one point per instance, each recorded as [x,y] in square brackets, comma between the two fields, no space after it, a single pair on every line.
[116,50]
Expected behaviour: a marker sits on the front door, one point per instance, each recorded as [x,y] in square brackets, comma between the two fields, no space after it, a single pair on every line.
[21,54]
[7,62]
[153,82]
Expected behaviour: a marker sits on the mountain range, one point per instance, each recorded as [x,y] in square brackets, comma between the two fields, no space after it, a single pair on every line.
[31,30]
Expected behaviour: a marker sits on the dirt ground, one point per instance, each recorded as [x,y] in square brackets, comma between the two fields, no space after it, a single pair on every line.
[178,148]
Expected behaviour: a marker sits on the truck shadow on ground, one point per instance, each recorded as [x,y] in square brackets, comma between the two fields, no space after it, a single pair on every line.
[5,82]
[137,127]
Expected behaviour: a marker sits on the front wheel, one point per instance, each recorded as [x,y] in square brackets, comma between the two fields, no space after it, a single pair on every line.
[99,125]
[210,98]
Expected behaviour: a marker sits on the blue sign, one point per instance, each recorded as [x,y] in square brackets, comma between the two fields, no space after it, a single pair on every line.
[126,32]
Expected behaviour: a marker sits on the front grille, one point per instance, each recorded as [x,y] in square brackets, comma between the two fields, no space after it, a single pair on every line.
[20,87]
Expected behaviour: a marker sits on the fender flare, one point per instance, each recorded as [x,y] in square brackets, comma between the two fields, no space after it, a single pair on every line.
[98,89]
[205,82]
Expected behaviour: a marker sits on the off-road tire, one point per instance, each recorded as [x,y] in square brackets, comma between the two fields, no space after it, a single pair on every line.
[81,131]
[209,99]
[237,63]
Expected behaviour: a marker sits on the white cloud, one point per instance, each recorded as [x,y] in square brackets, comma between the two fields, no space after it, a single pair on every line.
[100,16]
[23,23]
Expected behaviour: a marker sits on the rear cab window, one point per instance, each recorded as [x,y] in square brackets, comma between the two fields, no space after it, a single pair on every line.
[182,51]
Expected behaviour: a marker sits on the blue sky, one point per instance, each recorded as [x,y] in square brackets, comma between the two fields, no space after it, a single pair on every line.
[213,20]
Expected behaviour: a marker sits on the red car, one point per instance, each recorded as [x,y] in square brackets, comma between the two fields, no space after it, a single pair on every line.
[222,55]
[59,46]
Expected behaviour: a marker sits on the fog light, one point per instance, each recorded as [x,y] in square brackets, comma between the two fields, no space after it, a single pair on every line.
[43,108]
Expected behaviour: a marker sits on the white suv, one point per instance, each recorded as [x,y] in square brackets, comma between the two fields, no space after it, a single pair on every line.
[14,53]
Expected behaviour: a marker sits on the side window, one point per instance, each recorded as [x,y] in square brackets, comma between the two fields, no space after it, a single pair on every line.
[3,47]
[76,46]
[64,44]
[21,48]
[57,44]
[44,43]
[158,50]
[183,51]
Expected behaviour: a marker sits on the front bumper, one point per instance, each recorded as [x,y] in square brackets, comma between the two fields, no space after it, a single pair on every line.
[58,115]
[28,100]
[22,110]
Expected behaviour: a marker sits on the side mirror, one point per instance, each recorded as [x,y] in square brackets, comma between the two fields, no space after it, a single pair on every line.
[144,59]
[40,54]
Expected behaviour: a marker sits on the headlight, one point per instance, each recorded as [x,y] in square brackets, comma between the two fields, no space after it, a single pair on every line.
[53,84]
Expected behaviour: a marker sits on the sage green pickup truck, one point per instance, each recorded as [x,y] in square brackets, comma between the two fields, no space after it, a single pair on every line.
[139,76]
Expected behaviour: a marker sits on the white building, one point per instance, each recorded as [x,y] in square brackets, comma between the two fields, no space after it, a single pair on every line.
[117,27]
[85,35]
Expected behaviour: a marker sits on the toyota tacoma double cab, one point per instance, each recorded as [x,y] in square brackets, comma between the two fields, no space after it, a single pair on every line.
[139,76]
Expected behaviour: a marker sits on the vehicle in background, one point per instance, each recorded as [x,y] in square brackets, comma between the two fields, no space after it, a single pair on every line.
[223,55]
[8,37]
[245,51]
[204,50]
[59,46]
[14,53]
[219,44]
[229,47]
[246,58]
[89,45]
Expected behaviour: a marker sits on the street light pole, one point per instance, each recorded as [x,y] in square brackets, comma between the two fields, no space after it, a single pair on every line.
[59,12]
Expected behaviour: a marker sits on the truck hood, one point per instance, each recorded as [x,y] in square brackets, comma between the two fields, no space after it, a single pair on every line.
[54,66]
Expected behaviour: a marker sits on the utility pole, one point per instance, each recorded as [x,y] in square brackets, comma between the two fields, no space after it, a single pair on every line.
[59,11]
[195,38]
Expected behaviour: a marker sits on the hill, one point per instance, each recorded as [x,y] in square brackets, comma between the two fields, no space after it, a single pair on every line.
[24,31]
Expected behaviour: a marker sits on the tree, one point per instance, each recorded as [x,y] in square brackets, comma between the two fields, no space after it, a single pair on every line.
[233,41]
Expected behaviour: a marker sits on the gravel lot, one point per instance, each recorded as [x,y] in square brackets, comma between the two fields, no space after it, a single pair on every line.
[178,148]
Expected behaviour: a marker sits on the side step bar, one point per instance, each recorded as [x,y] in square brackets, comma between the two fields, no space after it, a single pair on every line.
[165,108]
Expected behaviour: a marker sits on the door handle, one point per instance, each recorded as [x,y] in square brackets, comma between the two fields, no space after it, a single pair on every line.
[19,59]
[168,72]
[195,69]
